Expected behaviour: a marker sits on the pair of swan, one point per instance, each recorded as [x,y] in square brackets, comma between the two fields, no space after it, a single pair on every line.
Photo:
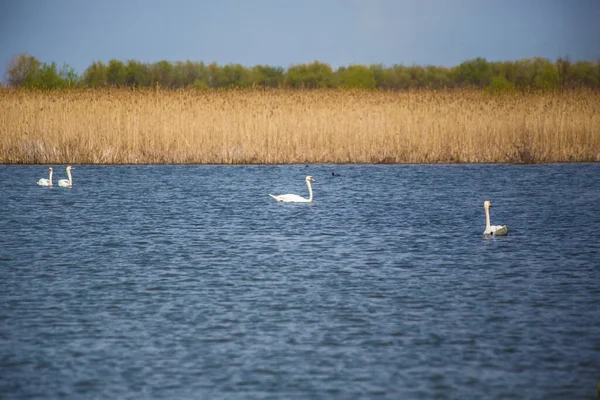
[62,182]
[493,230]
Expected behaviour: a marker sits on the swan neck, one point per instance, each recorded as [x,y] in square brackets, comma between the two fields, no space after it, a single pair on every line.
[487,218]
[50,179]
[69,175]
[309,191]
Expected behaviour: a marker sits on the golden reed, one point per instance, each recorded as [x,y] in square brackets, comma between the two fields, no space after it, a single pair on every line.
[124,126]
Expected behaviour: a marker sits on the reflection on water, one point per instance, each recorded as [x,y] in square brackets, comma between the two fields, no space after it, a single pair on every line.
[191,282]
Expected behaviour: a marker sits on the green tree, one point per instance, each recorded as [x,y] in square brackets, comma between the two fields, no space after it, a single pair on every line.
[195,74]
[163,74]
[235,75]
[49,78]
[533,73]
[563,66]
[402,76]
[546,75]
[23,71]
[313,75]
[585,73]
[436,77]
[416,75]
[500,84]
[214,75]
[473,72]
[393,78]
[69,77]
[536,73]
[379,74]
[267,76]
[116,73]
[96,75]
[185,74]
[356,76]
[137,74]
[504,69]
[524,73]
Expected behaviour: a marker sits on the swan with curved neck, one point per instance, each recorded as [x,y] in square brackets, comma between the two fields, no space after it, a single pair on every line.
[494,230]
[294,198]
[46,182]
[67,182]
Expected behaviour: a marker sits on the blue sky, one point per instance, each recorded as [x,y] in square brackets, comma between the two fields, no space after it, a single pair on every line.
[285,32]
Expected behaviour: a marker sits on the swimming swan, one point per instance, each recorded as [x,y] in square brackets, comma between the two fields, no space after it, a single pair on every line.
[46,182]
[494,230]
[294,198]
[67,182]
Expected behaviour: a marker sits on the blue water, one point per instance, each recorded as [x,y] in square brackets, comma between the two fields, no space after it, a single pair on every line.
[190,282]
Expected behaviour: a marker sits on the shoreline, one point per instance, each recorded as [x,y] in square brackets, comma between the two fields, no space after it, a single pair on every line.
[303,164]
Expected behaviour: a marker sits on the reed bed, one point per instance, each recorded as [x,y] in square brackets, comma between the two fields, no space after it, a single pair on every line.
[124,126]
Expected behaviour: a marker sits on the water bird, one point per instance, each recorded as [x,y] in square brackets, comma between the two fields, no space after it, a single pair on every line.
[294,198]
[335,174]
[44,181]
[67,182]
[494,230]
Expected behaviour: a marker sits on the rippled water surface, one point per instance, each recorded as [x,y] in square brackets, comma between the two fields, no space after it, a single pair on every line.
[189,282]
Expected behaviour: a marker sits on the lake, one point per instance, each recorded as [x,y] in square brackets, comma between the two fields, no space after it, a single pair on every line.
[190,282]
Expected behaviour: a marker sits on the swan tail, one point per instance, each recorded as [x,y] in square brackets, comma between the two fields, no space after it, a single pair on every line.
[496,230]
[501,231]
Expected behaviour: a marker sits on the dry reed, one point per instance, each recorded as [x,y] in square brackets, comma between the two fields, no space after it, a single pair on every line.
[123,126]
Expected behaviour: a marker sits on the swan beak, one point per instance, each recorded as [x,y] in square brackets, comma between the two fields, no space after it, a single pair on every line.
[312,179]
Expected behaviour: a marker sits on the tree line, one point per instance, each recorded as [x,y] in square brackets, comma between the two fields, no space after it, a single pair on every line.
[526,74]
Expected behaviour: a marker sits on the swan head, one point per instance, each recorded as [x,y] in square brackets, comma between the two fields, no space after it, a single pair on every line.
[487,204]
[49,169]
[69,168]
[310,178]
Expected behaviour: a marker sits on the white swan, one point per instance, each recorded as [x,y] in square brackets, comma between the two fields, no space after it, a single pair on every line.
[494,230]
[46,182]
[67,182]
[294,198]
